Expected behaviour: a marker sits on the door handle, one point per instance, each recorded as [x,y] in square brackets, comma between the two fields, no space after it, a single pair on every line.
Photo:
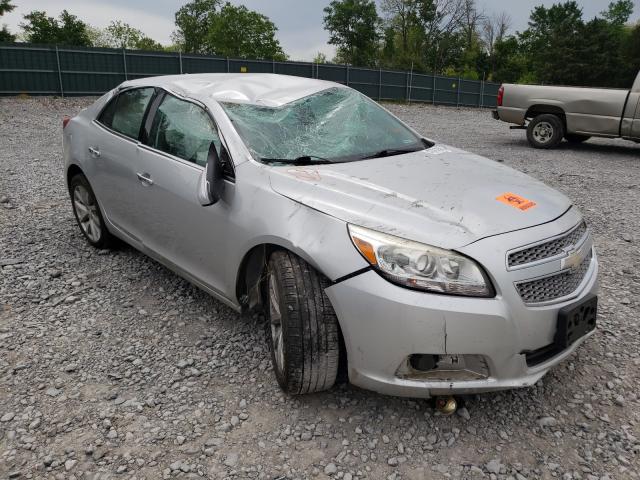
[94,152]
[145,178]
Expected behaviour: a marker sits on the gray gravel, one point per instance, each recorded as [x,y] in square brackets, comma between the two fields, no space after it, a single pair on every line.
[113,367]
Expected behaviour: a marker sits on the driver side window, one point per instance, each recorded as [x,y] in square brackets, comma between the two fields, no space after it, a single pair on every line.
[184,130]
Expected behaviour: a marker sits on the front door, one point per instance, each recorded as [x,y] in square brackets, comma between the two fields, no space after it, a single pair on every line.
[174,225]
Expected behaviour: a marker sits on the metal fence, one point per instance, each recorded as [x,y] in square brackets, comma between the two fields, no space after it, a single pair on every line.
[53,70]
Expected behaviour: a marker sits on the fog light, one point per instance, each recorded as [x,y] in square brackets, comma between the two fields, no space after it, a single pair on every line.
[423,362]
[430,367]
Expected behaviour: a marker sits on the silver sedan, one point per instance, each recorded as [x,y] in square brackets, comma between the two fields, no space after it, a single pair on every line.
[417,268]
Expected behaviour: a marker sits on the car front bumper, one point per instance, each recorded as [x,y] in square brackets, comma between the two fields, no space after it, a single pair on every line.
[384,324]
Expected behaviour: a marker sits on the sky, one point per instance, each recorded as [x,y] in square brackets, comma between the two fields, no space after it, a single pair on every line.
[299,22]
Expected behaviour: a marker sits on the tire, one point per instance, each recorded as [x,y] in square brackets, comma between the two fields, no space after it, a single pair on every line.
[302,328]
[88,214]
[545,131]
[576,138]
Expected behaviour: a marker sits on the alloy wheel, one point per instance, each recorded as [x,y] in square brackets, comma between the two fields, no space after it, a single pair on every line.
[87,211]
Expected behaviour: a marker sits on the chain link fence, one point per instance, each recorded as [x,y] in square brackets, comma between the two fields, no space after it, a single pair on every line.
[72,71]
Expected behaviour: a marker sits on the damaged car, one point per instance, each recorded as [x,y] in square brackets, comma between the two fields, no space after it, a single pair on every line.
[415,267]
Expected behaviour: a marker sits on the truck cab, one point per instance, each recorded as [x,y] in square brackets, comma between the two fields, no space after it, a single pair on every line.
[630,125]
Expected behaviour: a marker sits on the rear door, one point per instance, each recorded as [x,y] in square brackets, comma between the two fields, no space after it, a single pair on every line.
[113,149]
[174,225]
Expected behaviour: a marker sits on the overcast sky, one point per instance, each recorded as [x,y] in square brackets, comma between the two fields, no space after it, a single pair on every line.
[299,21]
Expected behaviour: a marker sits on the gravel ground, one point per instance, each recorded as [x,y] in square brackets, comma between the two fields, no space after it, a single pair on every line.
[113,367]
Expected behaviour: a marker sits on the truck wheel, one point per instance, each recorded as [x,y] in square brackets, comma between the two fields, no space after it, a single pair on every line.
[576,138]
[303,328]
[545,131]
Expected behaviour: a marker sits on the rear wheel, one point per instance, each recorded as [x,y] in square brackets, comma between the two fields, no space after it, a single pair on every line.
[576,138]
[87,213]
[302,326]
[545,131]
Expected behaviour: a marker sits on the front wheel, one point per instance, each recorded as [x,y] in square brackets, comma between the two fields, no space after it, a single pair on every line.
[303,328]
[545,131]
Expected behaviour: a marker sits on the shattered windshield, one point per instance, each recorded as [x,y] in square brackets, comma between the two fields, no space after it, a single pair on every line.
[334,125]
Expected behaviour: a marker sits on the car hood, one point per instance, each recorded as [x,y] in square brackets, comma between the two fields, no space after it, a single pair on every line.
[442,196]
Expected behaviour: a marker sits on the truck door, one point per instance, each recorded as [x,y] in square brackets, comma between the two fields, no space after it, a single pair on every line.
[635,126]
[631,116]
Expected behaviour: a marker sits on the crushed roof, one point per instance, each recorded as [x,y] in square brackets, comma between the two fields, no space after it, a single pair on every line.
[255,88]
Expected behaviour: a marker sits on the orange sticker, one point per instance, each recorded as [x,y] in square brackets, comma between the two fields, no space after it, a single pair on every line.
[516,201]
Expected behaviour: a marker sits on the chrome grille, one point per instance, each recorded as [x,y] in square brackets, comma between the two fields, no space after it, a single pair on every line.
[548,249]
[554,286]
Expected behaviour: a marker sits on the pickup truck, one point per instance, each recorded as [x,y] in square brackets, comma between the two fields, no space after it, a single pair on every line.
[551,113]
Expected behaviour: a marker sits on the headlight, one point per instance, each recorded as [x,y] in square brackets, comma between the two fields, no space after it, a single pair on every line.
[416,265]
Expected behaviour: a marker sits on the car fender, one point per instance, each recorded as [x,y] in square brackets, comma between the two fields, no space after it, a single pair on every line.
[320,239]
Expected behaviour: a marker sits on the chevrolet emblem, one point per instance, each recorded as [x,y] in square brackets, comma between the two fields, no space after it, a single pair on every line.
[572,261]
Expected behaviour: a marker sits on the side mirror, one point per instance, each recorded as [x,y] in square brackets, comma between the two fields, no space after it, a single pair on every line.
[211,183]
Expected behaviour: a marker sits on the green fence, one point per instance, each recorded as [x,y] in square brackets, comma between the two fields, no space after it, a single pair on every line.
[72,71]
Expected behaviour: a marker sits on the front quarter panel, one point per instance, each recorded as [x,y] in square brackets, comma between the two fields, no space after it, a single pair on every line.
[262,216]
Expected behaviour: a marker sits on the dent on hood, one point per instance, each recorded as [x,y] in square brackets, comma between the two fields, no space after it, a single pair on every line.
[444,197]
[359,204]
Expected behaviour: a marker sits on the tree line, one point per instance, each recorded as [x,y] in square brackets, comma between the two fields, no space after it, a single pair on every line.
[454,37]
[449,37]
[202,26]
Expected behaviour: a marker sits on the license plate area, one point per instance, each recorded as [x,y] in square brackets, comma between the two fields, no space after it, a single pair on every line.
[575,321]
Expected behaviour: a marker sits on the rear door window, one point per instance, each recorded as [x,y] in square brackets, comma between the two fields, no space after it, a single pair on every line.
[184,130]
[125,112]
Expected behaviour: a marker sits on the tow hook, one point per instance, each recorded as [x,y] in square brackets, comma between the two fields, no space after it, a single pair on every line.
[446,405]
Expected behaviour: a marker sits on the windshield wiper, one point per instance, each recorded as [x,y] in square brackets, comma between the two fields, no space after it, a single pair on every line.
[388,152]
[302,160]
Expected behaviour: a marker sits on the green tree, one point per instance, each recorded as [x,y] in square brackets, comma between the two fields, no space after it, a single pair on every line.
[148,44]
[320,58]
[123,35]
[5,7]
[631,54]
[73,31]
[434,35]
[562,49]
[5,34]
[601,52]
[67,29]
[39,28]
[98,37]
[236,31]
[494,30]
[511,64]
[193,21]
[174,47]
[551,43]
[389,48]
[401,17]
[618,12]
[404,37]
[353,27]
